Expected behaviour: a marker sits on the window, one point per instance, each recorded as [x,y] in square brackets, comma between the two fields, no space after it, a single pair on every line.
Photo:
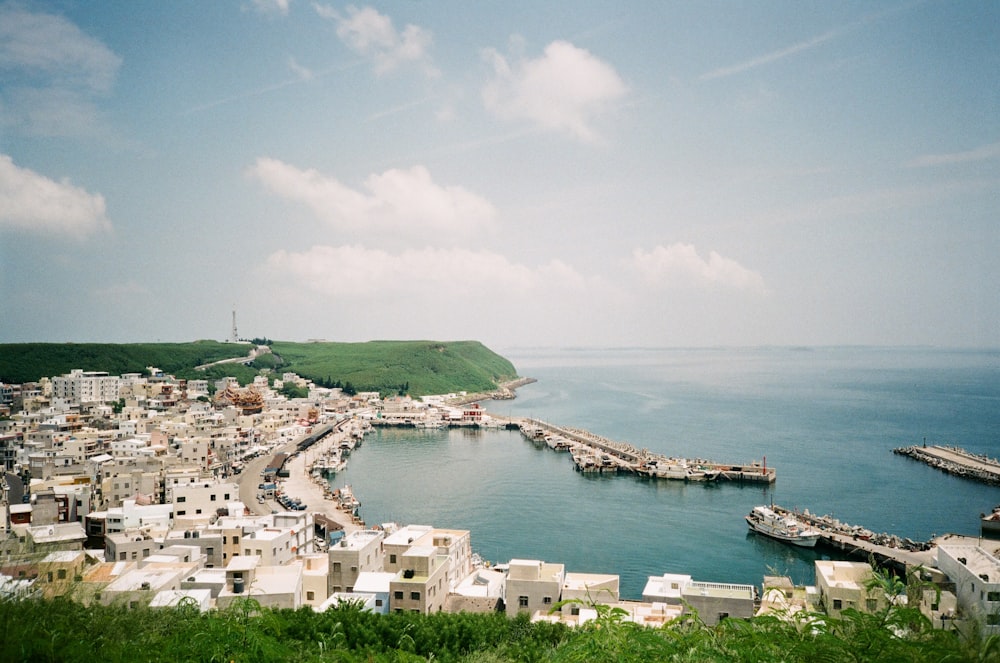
[236,540]
[336,567]
[414,596]
[522,601]
[50,576]
[397,595]
[837,604]
[310,596]
[871,605]
[378,603]
[723,615]
[182,512]
[121,556]
[993,596]
[575,610]
[61,574]
[226,497]
[212,497]
[993,619]
[392,559]
[182,498]
[547,600]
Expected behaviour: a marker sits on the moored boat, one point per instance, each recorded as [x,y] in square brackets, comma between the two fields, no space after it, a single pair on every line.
[766,521]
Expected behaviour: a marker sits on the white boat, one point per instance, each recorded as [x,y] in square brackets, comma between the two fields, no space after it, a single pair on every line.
[782,527]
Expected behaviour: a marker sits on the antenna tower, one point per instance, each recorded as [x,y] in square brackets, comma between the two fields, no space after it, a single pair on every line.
[234,337]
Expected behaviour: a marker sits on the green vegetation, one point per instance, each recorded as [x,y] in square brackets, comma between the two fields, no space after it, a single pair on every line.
[27,362]
[389,367]
[428,367]
[60,630]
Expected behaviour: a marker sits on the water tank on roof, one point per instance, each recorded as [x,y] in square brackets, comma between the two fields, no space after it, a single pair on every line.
[237,585]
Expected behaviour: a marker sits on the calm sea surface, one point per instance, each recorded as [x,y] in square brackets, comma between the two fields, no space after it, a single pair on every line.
[826,418]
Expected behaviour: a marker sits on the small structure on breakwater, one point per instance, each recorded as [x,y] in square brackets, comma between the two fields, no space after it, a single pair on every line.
[954,460]
[593,453]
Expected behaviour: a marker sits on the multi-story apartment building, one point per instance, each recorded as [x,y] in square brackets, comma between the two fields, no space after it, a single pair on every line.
[358,551]
[421,585]
[842,585]
[533,586]
[81,387]
[197,502]
[454,544]
[976,574]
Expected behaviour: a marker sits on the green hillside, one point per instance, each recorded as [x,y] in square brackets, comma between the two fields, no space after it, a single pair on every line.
[425,367]
[27,362]
[416,367]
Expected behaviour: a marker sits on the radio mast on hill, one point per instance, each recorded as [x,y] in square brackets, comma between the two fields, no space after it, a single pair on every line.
[233,336]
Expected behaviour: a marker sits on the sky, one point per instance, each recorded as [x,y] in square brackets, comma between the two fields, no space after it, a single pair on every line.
[525,174]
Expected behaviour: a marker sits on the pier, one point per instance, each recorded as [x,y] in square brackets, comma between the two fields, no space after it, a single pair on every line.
[955,461]
[859,542]
[593,453]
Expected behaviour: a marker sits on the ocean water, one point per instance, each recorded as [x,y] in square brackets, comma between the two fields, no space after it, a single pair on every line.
[827,419]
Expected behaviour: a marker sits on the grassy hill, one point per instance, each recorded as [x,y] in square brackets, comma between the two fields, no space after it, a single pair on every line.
[416,367]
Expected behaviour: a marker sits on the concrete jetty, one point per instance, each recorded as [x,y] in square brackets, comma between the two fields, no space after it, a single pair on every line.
[593,453]
[857,541]
[954,460]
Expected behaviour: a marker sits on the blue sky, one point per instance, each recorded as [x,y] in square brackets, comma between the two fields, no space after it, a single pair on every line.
[520,173]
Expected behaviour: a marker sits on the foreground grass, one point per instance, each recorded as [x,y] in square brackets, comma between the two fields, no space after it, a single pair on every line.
[60,630]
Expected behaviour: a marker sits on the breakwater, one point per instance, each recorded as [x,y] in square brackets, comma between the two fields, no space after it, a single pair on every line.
[956,461]
[593,453]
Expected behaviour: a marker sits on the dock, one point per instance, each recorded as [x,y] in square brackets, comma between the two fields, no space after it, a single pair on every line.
[593,453]
[954,460]
[861,543]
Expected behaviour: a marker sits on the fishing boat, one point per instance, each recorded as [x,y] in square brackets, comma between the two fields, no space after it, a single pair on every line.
[768,522]
[678,470]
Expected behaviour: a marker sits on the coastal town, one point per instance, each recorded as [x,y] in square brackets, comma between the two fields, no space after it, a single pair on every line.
[147,490]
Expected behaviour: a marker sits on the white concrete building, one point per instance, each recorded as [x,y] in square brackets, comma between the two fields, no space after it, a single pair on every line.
[533,586]
[355,553]
[713,601]
[841,586]
[80,387]
[976,575]
[198,502]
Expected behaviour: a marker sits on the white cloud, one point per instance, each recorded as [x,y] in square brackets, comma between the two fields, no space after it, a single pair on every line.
[397,200]
[50,45]
[355,271]
[59,69]
[271,6]
[679,265]
[302,73]
[982,153]
[371,34]
[562,90]
[33,202]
